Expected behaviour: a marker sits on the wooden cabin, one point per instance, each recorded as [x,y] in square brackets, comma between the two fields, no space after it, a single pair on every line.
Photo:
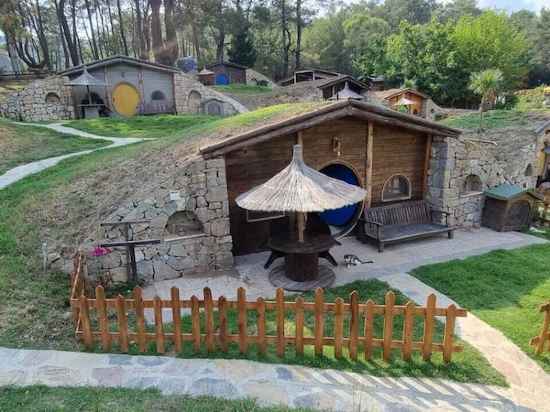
[308,75]
[382,150]
[407,100]
[227,72]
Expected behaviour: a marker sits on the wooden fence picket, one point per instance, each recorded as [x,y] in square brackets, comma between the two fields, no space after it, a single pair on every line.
[216,327]
[543,337]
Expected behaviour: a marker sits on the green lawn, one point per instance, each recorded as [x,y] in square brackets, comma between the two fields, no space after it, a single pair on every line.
[236,88]
[503,288]
[44,399]
[493,119]
[159,126]
[20,144]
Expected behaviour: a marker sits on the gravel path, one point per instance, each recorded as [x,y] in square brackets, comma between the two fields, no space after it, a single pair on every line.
[295,386]
[20,172]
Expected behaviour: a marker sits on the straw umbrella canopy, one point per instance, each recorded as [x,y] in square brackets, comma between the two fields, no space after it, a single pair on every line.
[86,79]
[299,188]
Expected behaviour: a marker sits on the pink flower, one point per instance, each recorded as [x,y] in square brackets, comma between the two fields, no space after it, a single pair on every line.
[100,251]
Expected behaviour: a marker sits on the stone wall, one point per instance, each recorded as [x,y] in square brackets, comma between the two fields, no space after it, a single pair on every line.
[47,99]
[199,188]
[185,84]
[495,157]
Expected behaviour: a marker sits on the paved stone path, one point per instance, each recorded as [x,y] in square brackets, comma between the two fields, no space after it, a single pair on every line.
[295,386]
[20,172]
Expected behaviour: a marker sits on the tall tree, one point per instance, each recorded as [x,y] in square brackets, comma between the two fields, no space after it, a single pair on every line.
[486,84]
[242,49]
[121,27]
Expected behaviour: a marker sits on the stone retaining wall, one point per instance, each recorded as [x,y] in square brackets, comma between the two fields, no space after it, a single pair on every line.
[47,99]
[199,189]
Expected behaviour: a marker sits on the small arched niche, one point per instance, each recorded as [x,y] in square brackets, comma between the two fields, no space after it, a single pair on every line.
[397,187]
[183,223]
[157,95]
[529,170]
[52,98]
[472,185]
[194,101]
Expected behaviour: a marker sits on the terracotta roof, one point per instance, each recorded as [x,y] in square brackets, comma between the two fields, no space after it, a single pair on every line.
[345,108]
[387,94]
[109,61]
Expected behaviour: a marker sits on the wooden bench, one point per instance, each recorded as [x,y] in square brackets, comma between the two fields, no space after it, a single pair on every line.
[403,221]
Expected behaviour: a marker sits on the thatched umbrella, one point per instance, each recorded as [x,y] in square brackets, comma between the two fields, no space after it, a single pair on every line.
[86,79]
[299,188]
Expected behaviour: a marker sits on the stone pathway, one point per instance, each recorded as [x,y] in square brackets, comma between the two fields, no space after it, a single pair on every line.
[20,172]
[294,386]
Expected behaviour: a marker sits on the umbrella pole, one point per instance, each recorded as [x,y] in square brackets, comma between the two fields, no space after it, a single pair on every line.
[301,226]
[89,95]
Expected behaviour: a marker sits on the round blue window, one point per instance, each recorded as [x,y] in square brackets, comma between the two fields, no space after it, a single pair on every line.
[344,215]
[222,79]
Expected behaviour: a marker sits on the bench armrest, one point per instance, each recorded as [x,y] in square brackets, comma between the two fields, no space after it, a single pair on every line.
[443,213]
[373,228]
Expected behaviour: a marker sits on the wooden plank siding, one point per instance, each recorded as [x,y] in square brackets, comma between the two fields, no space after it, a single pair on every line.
[394,151]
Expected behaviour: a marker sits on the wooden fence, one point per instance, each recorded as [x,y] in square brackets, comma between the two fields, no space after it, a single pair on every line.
[539,341]
[352,325]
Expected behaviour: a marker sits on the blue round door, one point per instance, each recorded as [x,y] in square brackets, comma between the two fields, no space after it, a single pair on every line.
[222,79]
[344,215]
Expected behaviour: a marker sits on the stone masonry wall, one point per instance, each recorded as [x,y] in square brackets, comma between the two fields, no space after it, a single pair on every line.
[30,103]
[198,188]
[504,161]
[184,84]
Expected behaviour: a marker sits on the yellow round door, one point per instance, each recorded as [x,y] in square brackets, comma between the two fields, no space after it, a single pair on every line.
[125,99]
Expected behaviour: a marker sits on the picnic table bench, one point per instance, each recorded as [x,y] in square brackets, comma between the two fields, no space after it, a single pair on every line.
[403,221]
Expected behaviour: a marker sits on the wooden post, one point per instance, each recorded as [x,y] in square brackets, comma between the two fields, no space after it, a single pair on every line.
[243,320]
[299,325]
[408,331]
[428,327]
[301,225]
[159,333]
[262,347]
[222,318]
[195,323]
[85,322]
[338,326]
[368,178]
[209,314]
[427,159]
[122,323]
[101,308]
[140,319]
[388,325]
[280,305]
[448,335]
[369,326]
[354,325]
[176,317]
[545,329]
[319,321]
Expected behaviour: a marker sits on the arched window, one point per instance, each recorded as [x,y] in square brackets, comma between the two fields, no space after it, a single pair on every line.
[472,184]
[397,187]
[53,98]
[157,95]
[529,170]
[194,102]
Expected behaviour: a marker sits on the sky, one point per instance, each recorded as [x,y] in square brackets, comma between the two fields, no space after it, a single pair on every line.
[515,5]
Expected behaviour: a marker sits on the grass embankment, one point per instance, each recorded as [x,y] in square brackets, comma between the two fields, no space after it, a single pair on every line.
[21,144]
[140,126]
[236,88]
[44,399]
[34,311]
[493,119]
[503,288]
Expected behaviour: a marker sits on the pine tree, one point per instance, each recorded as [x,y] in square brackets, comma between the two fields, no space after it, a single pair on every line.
[242,49]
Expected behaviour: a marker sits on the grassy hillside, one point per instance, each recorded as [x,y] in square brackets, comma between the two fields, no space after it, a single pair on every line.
[236,88]
[20,144]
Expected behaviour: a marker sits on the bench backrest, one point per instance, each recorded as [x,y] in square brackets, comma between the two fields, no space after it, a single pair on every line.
[413,212]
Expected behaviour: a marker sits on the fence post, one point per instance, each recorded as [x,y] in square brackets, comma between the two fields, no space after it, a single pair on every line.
[157,303]
[222,318]
[388,325]
[369,332]
[448,336]
[354,325]
[299,325]
[319,321]
[243,320]
[261,326]
[176,317]
[408,331]
[122,323]
[101,308]
[280,304]
[208,309]
[85,322]
[428,327]
[140,319]
[545,329]
[338,326]
[195,323]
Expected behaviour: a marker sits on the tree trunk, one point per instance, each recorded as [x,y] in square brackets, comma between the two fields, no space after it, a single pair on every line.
[139,31]
[92,34]
[299,24]
[156,29]
[121,26]
[286,38]
[66,32]
[171,45]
